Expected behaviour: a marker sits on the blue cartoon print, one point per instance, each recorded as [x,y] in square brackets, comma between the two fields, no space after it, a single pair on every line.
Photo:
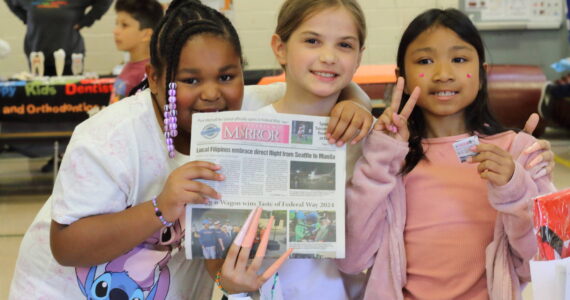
[134,274]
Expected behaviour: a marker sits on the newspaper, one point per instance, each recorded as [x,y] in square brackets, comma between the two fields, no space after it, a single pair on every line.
[280,162]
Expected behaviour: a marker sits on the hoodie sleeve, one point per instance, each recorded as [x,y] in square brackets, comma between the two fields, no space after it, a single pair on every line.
[98,9]
[513,201]
[374,183]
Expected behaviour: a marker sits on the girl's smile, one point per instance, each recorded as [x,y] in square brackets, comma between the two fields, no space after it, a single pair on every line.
[444,95]
[325,76]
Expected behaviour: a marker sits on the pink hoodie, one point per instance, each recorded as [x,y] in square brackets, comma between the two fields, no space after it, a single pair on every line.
[376,217]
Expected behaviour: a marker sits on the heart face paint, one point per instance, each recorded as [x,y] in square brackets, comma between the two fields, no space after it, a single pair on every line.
[422,75]
[468,75]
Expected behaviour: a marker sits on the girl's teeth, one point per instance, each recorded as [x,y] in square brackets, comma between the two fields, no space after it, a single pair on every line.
[324,74]
[445,93]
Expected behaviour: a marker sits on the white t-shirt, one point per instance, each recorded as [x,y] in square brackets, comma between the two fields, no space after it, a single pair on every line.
[115,160]
[301,279]
[260,96]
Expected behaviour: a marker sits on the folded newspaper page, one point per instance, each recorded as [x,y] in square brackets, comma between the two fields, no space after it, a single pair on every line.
[280,162]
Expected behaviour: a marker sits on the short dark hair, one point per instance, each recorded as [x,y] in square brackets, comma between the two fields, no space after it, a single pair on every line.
[184,20]
[147,12]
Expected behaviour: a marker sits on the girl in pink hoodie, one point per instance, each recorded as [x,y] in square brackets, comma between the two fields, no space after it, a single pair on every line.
[425,224]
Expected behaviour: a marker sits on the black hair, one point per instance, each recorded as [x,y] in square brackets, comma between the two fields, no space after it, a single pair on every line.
[183,20]
[478,117]
[147,12]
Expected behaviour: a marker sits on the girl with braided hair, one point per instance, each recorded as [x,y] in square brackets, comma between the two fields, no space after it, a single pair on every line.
[116,213]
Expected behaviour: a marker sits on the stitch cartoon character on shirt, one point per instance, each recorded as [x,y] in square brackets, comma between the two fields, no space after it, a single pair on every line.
[133,274]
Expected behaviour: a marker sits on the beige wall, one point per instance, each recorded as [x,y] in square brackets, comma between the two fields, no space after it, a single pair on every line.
[254,20]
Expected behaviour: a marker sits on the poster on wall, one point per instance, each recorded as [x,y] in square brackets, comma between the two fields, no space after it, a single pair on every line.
[514,14]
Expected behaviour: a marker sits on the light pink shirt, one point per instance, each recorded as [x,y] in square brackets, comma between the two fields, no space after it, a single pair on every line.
[377,217]
[449,223]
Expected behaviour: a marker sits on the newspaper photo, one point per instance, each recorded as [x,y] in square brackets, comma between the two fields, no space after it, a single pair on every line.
[280,162]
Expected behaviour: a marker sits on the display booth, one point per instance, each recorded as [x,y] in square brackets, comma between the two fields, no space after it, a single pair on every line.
[46,110]
[54,100]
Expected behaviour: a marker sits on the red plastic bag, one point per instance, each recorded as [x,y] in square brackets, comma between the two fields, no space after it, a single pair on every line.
[552,225]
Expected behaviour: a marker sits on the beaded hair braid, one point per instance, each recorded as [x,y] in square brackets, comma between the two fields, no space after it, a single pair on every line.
[183,20]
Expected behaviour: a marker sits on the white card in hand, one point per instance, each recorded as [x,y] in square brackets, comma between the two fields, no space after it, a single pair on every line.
[463,147]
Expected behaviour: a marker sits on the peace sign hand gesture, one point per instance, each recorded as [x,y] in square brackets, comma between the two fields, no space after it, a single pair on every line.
[392,123]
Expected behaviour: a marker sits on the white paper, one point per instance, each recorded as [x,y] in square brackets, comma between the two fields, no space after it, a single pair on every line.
[566,283]
[281,162]
[550,279]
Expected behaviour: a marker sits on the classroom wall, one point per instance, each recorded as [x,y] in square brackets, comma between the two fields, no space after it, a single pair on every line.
[255,21]
[386,20]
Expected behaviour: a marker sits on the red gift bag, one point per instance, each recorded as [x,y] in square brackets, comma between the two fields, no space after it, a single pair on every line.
[552,225]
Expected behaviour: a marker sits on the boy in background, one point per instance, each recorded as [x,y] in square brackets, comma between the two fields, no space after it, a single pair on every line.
[134,25]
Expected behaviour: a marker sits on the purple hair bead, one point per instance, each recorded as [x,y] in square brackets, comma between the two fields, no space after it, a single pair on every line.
[170,119]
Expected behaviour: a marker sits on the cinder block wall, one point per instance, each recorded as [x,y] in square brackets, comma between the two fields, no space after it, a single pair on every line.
[254,20]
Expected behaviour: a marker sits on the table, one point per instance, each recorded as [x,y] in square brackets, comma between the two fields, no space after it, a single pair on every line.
[45,111]
[52,136]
